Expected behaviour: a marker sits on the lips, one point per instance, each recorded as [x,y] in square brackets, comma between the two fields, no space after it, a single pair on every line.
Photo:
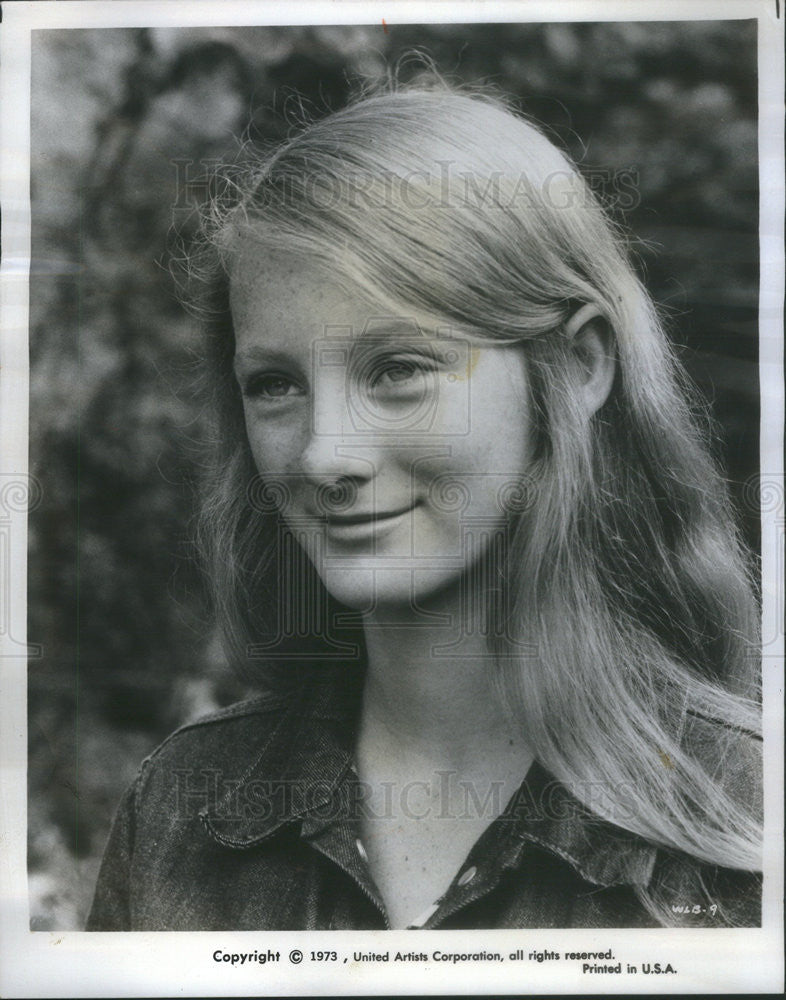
[369,517]
[363,527]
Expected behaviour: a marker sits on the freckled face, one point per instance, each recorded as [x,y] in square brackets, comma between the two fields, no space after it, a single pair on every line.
[390,438]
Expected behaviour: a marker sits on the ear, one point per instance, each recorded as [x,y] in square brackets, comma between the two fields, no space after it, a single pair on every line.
[594,345]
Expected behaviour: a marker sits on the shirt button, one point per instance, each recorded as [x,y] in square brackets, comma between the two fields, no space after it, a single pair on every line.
[361,850]
[468,875]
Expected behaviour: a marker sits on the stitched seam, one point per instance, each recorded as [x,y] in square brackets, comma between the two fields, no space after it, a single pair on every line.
[251,767]
[232,841]
[578,866]
[232,713]
[295,817]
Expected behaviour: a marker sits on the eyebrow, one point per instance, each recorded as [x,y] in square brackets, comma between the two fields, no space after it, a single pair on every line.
[253,355]
[381,332]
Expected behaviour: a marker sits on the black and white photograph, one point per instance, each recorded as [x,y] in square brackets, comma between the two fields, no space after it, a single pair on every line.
[392,498]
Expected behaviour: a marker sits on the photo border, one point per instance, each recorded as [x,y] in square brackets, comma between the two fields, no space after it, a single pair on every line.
[43,963]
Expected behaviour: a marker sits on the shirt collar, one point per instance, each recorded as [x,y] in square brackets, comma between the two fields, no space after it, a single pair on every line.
[545,813]
[300,767]
[302,775]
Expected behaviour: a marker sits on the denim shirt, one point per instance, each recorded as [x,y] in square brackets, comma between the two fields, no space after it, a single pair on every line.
[249,820]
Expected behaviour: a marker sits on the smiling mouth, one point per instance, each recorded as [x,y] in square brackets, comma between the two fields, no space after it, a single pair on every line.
[339,520]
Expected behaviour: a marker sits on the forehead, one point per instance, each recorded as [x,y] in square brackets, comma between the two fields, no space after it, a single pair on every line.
[267,284]
[283,300]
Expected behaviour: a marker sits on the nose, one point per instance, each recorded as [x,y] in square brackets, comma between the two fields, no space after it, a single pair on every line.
[335,450]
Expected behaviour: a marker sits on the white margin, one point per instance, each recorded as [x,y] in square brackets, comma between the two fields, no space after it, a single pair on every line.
[142,964]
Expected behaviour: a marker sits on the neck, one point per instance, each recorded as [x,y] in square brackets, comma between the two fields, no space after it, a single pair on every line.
[429,707]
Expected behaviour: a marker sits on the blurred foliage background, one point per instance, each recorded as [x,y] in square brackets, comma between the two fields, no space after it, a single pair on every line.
[124,123]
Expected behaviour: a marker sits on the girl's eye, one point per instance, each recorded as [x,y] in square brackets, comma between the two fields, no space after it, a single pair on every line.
[395,371]
[270,386]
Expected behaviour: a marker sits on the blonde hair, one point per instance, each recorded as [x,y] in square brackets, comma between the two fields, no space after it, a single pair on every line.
[627,561]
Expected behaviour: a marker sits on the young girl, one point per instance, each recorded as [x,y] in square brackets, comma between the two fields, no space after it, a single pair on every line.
[464,535]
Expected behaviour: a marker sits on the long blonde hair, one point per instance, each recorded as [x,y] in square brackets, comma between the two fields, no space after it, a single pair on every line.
[644,681]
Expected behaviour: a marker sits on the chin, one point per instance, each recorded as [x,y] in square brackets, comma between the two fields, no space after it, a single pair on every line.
[366,589]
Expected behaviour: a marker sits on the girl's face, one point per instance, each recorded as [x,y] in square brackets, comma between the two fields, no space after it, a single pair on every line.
[395,445]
